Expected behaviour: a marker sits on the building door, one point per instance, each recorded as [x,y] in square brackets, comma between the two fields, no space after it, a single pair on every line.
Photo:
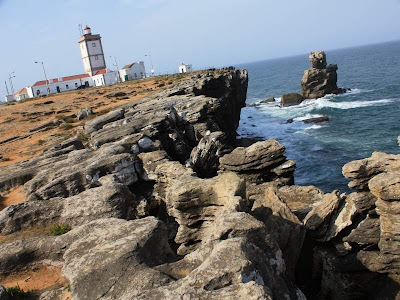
[58,89]
[126,78]
[86,83]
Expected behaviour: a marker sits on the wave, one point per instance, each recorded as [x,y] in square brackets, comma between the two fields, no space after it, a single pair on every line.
[307,116]
[327,103]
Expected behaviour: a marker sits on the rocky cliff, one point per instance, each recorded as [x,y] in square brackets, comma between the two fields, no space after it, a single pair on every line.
[163,204]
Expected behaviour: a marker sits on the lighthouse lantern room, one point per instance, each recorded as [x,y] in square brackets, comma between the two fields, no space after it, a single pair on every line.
[91,52]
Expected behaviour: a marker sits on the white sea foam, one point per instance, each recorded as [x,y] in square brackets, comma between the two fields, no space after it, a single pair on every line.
[327,103]
[313,127]
[307,116]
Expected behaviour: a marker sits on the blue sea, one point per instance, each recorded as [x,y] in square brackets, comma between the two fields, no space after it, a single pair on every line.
[362,121]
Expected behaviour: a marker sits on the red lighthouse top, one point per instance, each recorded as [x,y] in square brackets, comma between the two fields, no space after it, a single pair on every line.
[87,30]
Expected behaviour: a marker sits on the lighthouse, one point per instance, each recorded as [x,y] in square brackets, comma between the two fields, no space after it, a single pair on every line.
[91,52]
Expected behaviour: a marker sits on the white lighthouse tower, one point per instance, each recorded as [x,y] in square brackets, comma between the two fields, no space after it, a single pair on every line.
[91,52]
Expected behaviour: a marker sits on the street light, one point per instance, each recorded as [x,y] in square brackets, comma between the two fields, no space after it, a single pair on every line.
[45,76]
[10,77]
[116,65]
[151,63]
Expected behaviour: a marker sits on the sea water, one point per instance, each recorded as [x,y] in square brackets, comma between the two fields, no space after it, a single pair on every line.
[362,121]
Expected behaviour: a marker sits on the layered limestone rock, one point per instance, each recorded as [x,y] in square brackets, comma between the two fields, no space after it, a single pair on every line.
[163,206]
[321,79]
[291,99]
[386,187]
[261,162]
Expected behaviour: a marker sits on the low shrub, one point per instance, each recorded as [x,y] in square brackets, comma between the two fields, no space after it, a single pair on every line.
[17,293]
[59,229]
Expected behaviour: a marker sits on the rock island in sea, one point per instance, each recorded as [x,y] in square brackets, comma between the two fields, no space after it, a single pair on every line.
[164,202]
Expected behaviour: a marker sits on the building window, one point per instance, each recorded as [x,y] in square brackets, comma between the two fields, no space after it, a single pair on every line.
[67,86]
[93,44]
[96,57]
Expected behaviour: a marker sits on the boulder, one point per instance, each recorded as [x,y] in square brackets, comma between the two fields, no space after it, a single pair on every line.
[316,120]
[318,220]
[361,171]
[268,100]
[366,233]
[204,158]
[291,99]
[113,258]
[320,80]
[286,229]
[260,162]
[385,187]
[300,199]
[195,202]
[84,113]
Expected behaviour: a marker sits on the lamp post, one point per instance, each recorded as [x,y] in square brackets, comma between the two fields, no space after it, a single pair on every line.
[151,63]
[45,76]
[8,93]
[10,77]
[116,65]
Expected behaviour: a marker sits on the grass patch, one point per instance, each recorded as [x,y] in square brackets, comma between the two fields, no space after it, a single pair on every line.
[83,137]
[41,142]
[66,126]
[69,120]
[15,292]
[59,229]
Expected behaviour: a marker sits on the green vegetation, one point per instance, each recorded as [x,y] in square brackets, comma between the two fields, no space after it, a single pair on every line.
[66,126]
[69,120]
[83,137]
[17,293]
[59,229]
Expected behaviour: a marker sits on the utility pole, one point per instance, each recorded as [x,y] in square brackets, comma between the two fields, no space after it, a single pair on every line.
[116,65]
[8,93]
[11,76]
[151,63]
[45,76]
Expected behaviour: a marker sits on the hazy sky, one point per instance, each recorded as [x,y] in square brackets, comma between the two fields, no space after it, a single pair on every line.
[203,33]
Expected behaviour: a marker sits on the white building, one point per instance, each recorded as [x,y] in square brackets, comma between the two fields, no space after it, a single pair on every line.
[185,68]
[91,52]
[133,71]
[96,73]
[9,98]
[105,77]
[58,85]
[21,94]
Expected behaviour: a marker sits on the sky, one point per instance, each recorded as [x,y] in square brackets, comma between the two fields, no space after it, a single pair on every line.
[204,33]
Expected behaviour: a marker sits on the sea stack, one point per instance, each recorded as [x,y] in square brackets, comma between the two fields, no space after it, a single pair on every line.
[321,79]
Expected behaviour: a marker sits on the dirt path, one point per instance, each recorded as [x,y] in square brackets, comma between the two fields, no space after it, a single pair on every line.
[18,142]
[39,278]
[14,197]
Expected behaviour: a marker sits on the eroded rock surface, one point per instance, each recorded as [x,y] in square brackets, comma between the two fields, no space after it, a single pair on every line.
[164,205]
[321,79]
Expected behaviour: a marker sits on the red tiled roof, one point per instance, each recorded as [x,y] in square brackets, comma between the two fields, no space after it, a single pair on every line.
[102,71]
[22,91]
[76,77]
[87,27]
[127,66]
[67,78]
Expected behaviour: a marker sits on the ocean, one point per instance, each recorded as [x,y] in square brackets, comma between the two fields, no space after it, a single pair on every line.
[362,121]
